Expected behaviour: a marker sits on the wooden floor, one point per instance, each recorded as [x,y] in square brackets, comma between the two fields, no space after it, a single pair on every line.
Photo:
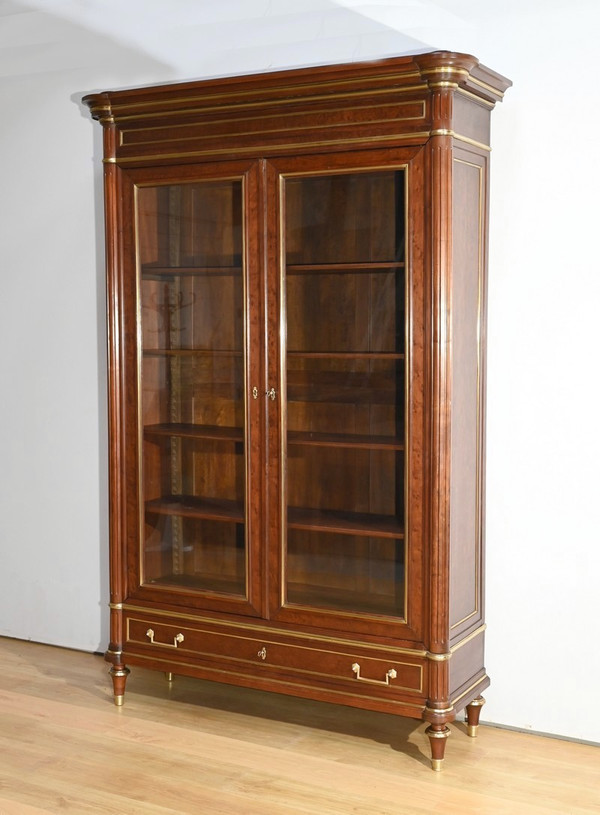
[208,749]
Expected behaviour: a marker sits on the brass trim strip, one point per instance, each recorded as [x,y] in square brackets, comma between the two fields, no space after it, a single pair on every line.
[469,689]
[428,709]
[265,103]
[487,87]
[445,69]
[273,680]
[438,657]
[261,631]
[444,84]
[471,636]
[261,149]
[277,117]
[485,102]
[278,89]
[453,134]
[116,606]
[480,167]
[275,644]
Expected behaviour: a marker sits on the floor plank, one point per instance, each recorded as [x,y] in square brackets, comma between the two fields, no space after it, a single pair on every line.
[197,746]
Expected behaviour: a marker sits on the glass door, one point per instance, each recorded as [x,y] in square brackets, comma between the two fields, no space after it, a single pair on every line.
[192,291]
[344,374]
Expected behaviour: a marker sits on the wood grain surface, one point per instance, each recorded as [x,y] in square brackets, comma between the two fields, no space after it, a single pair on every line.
[199,747]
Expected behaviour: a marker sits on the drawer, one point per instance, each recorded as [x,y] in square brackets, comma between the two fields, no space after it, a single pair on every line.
[265,652]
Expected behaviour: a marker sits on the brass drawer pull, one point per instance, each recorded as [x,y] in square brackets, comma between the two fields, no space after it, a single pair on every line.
[262,654]
[391,674]
[176,640]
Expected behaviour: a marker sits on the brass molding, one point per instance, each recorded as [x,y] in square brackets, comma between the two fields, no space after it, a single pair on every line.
[277,644]
[437,734]
[269,149]
[453,134]
[114,653]
[469,689]
[261,631]
[444,84]
[479,702]
[258,149]
[441,711]
[277,116]
[490,88]
[282,90]
[485,102]
[467,639]
[438,657]
[116,606]
[444,69]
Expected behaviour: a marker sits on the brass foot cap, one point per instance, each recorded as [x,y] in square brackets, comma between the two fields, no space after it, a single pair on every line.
[472,730]
[119,700]
[436,764]
[169,676]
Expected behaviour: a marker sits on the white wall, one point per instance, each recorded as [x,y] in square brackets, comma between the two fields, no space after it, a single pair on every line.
[543,442]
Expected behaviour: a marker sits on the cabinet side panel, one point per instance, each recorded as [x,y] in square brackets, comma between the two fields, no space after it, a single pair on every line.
[466,491]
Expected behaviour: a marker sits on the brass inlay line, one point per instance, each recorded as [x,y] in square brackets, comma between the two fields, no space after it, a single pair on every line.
[453,134]
[284,683]
[263,640]
[261,631]
[467,639]
[258,149]
[487,87]
[469,689]
[438,657]
[479,99]
[277,116]
[262,149]
[278,89]
[445,69]
[480,272]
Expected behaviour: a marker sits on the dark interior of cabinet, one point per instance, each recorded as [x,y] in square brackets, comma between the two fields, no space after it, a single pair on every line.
[345,370]
[343,314]
[192,294]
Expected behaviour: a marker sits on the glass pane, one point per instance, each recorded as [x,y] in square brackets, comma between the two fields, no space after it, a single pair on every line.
[345,368]
[193,464]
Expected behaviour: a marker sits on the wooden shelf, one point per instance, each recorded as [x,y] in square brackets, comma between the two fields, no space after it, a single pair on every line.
[205,582]
[358,441]
[195,431]
[347,600]
[191,352]
[385,355]
[344,268]
[167,272]
[189,506]
[342,386]
[346,523]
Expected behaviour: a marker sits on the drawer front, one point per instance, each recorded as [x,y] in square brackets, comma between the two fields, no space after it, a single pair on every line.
[251,653]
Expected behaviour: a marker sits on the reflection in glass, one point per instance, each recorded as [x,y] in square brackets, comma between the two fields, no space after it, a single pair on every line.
[345,370]
[192,371]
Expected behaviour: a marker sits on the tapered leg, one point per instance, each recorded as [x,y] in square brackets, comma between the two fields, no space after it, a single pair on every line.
[473,710]
[119,675]
[438,733]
